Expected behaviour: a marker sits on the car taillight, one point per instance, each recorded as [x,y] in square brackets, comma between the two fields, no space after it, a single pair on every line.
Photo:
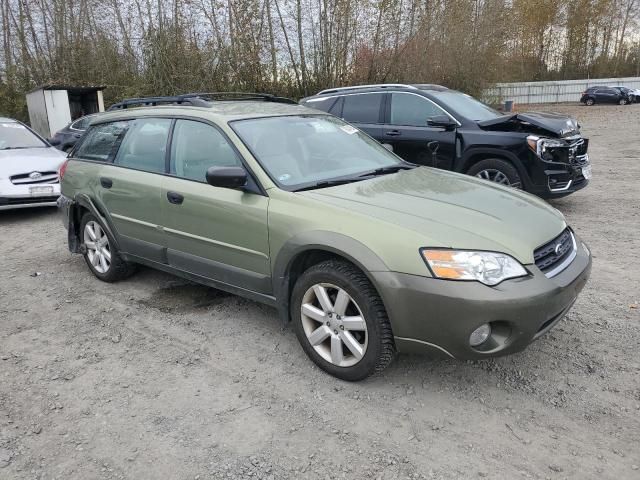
[62,169]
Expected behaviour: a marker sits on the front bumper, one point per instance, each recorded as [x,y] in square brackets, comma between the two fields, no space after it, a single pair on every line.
[26,196]
[434,316]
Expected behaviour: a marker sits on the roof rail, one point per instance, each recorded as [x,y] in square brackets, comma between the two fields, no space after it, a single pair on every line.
[378,85]
[202,99]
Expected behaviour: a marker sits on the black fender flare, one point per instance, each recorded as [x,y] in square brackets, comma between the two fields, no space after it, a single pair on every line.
[319,240]
[83,200]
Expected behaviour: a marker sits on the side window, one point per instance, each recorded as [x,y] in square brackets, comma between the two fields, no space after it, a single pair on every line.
[362,108]
[81,123]
[197,146]
[145,145]
[324,104]
[412,110]
[101,141]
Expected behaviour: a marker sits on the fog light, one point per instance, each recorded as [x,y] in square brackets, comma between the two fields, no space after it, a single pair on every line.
[480,335]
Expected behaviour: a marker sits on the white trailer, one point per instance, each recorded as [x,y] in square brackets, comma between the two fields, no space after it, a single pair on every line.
[52,107]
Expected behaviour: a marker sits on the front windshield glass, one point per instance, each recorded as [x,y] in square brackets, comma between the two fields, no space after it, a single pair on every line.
[466,105]
[14,135]
[298,151]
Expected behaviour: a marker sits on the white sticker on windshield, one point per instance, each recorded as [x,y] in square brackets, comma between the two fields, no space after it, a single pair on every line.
[348,129]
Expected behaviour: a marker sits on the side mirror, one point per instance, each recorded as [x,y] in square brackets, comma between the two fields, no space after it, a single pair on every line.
[54,142]
[227,177]
[442,121]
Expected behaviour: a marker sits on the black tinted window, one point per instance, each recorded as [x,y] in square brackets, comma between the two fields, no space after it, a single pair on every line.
[145,144]
[323,104]
[362,108]
[101,142]
[412,110]
[197,146]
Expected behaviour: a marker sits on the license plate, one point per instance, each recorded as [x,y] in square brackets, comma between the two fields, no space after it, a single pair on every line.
[586,172]
[40,190]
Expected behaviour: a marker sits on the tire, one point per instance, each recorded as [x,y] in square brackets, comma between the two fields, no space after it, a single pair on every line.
[589,102]
[104,261]
[332,349]
[498,171]
[622,101]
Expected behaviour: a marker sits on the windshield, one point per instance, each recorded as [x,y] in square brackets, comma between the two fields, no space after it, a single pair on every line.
[298,151]
[15,135]
[466,105]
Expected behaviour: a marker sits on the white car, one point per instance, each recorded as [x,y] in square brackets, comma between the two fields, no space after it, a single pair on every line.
[28,167]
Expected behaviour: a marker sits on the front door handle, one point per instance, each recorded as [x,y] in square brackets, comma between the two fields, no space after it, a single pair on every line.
[106,182]
[175,198]
[393,133]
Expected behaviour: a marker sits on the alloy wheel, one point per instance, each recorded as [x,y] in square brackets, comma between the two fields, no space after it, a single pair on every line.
[98,249]
[494,175]
[334,324]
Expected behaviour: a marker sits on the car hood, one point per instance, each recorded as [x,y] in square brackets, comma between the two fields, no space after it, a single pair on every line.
[27,160]
[451,210]
[554,123]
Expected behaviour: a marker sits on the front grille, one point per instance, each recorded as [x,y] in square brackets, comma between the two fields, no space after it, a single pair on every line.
[578,151]
[27,200]
[31,179]
[551,258]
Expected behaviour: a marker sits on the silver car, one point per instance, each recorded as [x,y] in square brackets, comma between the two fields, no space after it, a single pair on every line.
[28,167]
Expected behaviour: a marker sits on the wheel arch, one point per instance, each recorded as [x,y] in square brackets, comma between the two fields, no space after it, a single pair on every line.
[82,203]
[303,251]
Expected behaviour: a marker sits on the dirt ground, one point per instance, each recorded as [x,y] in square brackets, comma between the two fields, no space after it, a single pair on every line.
[156,378]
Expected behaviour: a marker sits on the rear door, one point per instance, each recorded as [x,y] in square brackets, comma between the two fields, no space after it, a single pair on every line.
[364,110]
[131,187]
[412,139]
[217,233]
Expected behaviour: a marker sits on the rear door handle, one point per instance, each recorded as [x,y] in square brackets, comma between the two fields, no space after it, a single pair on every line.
[175,198]
[106,182]
[393,133]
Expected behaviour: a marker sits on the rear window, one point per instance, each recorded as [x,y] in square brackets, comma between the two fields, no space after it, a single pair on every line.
[101,141]
[362,108]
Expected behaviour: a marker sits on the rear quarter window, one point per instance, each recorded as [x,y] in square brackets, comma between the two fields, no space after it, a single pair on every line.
[101,142]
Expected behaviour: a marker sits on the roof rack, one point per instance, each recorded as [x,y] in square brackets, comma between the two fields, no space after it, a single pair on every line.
[356,87]
[202,99]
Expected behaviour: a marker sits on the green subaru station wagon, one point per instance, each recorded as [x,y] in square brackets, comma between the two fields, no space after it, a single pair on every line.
[365,254]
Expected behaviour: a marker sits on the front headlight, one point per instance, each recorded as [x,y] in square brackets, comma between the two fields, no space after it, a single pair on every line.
[489,268]
[543,146]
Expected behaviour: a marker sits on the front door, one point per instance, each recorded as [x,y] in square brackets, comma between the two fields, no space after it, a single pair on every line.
[217,233]
[406,130]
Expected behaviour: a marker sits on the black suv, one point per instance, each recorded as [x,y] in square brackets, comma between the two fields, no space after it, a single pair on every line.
[619,95]
[542,153]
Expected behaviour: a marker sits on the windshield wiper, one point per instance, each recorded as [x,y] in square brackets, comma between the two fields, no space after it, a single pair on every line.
[329,183]
[389,169]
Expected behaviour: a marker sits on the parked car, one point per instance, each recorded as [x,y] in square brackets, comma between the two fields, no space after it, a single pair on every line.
[593,95]
[541,153]
[67,137]
[28,167]
[364,253]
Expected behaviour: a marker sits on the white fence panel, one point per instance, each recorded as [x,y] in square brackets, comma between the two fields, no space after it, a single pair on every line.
[552,91]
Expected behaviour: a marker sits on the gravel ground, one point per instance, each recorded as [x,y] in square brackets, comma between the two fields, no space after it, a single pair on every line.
[156,378]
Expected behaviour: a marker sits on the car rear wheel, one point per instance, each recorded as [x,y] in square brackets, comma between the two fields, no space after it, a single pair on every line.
[341,322]
[100,253]
[589,101]
[497,171]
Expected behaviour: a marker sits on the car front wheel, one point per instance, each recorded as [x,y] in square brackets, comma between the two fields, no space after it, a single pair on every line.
[497,171]
[341,322]
[100,253]
[622,101]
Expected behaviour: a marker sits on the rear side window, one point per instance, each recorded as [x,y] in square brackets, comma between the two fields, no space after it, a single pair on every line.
[197,146]
[145,144]
[362,108]
[101,142]
[412,110]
